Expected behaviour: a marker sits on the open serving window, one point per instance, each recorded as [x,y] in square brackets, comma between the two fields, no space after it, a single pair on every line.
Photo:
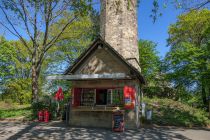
[98,97]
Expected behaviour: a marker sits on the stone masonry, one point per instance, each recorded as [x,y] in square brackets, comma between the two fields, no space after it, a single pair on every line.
[119,28]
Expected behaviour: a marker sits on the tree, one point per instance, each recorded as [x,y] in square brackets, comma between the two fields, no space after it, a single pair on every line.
[189,57]
[35,18]
[15,61]
[149,60]
[151,66]
[19,90]
[15,69]
[75,38]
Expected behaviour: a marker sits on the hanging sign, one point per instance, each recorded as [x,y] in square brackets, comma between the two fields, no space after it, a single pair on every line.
[59,96]
[129,97]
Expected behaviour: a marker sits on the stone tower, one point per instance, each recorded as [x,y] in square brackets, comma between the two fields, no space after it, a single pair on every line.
[119,28]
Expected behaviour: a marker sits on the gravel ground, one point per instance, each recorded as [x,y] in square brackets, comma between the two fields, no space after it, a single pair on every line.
[58,130]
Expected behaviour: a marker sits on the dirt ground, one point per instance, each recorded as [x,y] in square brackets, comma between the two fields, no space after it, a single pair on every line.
[60,131]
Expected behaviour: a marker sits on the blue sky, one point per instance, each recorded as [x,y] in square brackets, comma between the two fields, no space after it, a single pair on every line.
[156,32]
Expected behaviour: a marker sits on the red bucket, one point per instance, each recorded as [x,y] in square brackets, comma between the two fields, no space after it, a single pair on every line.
[41,116]
[46,116]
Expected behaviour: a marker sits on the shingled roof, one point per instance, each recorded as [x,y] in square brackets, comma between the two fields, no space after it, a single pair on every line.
[100,42]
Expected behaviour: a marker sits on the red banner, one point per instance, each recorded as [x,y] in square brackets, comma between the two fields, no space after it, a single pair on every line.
[59,95]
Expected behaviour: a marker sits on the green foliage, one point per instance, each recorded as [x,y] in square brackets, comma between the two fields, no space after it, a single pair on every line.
[14,71]
[73,41]
[149,59]
[11,110]
[47,102]
[15,61]
[44,103]
[19,90]
[188,60]
[151,68]
[6,66]
[192,27]
[170,112]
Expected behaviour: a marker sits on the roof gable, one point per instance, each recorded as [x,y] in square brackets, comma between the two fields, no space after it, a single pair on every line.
[101,61]
[99,58]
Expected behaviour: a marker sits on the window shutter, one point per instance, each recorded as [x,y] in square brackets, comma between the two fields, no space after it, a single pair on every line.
[76,97]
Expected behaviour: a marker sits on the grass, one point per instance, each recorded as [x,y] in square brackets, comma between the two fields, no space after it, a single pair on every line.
[170,112]
[11,110]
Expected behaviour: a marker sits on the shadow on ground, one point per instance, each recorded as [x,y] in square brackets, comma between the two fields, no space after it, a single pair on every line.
[58,130]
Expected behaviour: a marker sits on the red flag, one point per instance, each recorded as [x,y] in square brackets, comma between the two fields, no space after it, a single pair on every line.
[59,95]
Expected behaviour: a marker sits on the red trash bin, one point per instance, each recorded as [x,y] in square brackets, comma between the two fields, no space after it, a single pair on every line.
[46,116]
[40,116]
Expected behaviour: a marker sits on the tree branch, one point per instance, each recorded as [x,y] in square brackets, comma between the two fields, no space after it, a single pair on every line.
[47,20]
[202,4]
[198,6]
[16,32]
[54,39]
[35,24]
[25,19]
[61,10]
[9,30]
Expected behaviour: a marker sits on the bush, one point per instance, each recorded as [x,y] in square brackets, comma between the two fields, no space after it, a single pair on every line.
[42,104]
[8,101]
[170,112]
[19,90]
[46,102]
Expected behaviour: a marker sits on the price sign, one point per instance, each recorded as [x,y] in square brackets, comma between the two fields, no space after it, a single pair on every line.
[118,122]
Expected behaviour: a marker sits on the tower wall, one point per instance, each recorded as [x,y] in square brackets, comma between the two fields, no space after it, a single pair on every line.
[119,27]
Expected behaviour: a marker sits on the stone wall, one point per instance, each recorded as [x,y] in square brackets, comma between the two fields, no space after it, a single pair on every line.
[102,61]
[119,27]
[101,119]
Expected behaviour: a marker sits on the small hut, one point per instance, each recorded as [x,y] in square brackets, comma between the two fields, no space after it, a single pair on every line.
[101,81]
[107,76]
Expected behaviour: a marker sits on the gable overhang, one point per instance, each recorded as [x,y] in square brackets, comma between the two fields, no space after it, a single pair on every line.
[95,45]
[105,76]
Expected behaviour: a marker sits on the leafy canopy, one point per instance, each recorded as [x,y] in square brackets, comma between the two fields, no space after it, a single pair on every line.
[188,59]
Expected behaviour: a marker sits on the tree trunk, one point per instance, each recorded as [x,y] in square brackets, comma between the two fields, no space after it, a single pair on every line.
[34,85]
[34,75]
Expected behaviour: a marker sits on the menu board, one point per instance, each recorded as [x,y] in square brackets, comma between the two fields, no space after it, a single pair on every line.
[118,121]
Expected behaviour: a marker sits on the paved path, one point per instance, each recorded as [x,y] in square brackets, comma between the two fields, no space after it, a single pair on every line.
[58,130]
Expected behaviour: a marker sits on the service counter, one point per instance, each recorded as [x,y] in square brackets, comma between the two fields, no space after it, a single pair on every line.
[94,108]
[98,116]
